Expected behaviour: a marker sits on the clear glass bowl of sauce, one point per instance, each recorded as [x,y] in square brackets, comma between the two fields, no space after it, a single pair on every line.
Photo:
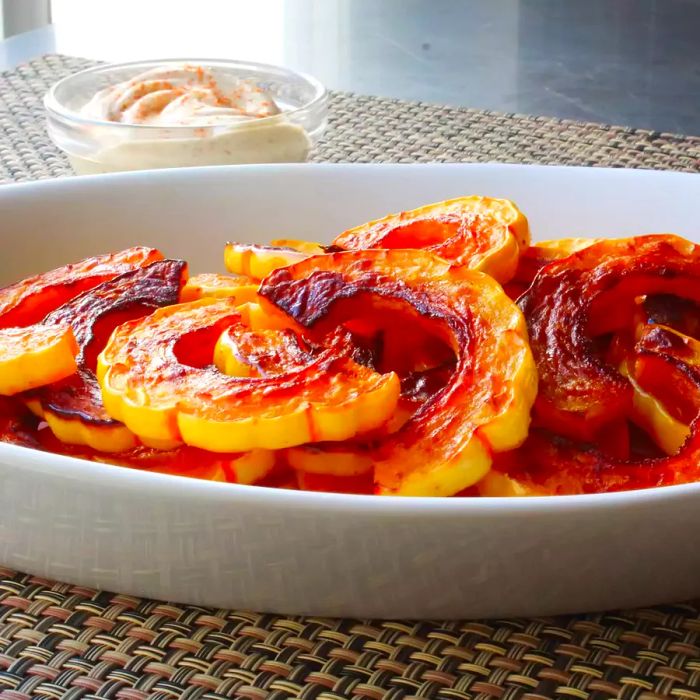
[184,112]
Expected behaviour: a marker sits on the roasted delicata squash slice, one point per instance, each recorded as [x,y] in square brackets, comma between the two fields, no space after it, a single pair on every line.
[265,353]
[360,484]
[28,301]
[182,460]
[257,261]
[649,412]
[588,295]
[484,406]
[653,417]
[666,363]
[663,377]
[73,407]
[663,371]
[157,378]
[553,465]
[479,232]
[34,356]
[244,468]
[212,284]
[344,459]
[74,413]
[260,353]
[539,254]
[250,467]
[261,316]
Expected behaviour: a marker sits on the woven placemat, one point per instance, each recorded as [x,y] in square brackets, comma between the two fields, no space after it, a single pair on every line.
[370,129]
[63,641]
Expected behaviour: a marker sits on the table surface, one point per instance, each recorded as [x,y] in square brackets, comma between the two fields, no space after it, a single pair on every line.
[631,62]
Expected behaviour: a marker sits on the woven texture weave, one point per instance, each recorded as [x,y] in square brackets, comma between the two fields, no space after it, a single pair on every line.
[370,129]
[65,641]
[62,641]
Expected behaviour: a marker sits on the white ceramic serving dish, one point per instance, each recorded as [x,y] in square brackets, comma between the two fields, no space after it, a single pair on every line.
[323,554]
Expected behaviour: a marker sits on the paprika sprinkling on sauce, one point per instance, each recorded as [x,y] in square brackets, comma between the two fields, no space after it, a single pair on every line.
[181,95]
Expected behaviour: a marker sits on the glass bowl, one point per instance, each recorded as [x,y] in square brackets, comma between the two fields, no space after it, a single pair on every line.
[99,146]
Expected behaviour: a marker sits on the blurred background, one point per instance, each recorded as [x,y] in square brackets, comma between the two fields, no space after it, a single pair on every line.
[631,62]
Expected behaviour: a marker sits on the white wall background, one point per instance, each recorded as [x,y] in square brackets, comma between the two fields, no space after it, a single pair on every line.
[18,16]
[246,29]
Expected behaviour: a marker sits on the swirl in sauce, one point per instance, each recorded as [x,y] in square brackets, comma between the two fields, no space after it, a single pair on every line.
[181,95]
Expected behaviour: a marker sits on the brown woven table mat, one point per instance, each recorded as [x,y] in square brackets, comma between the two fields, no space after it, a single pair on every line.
[370,129]
[63,641]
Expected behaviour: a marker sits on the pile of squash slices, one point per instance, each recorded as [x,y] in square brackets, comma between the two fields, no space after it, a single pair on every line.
[435,352]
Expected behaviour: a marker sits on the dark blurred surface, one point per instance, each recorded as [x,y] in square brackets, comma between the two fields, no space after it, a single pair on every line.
[633,62]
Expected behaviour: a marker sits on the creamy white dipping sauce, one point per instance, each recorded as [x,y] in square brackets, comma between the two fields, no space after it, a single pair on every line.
[231,121]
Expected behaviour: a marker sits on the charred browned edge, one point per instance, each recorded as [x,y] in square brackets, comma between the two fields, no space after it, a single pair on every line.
[565,290]
[138,292]
[141,290]
[77,398]
[310,299]
[19,314]
[657,340]
[582,460]
[682,315]
[65,283]
[582,468]
[421,386]
[557,301]
[337,348]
